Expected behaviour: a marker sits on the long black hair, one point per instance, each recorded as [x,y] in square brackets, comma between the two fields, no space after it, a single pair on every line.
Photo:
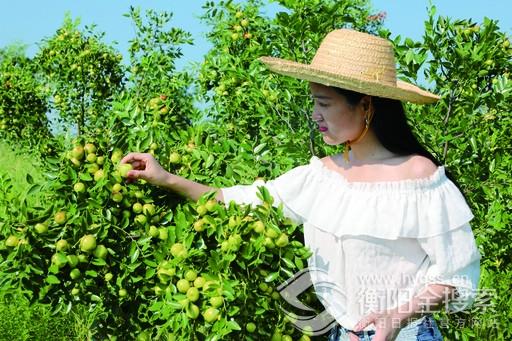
[390,125]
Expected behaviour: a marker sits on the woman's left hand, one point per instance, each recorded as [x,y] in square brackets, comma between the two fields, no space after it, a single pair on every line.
[387,325]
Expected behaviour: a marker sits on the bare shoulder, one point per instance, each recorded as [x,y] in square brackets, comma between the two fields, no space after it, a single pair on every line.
[329,162]
[419,167]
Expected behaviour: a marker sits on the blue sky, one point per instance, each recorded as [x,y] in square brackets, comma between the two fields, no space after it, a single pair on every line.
[29,21]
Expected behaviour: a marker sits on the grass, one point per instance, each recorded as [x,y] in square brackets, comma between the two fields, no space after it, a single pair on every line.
[20,320]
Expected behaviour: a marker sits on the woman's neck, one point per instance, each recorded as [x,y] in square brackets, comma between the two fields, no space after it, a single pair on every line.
[369,150]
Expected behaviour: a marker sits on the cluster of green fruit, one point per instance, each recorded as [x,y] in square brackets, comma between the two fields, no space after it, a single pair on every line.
[194,266]
[240,28]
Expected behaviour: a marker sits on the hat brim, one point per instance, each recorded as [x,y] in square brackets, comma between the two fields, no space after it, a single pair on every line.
[402,91]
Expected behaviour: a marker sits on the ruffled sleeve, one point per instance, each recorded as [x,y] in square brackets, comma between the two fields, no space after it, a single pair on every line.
[454,260]
[291,181]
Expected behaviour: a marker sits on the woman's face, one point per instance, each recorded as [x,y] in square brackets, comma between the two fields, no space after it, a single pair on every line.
[338,121]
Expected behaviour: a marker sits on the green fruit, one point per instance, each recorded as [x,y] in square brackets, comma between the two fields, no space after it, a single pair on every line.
[75,291]
[193,294]
[211,315]
[75,274]
[190,275]
[163,233]
[153,231]
[79,187]
[77,152]
[174,158]
[272,233]
[12,241]
[183,285]
[304,338]
[263,286]
[153,146]
[99,174]
[141,219]
[217,301]
[101,252]
[90,148]
[233,222]
[117,187]
[193,311]
[117,197]
[258,226]
[269,243]
[199,225]
[148,209]
[88,243]
[282,241]
[124,168]
[199,282]
[41,228]
[59,259]
[122,292]
[165,274]
[179,250]
[91,158]
[75,162]
[108,276]
[201,210]
[116,156]
[62,245]
[211,205]
[60,217]
[244,22]
[137,208]
[82,258]
[286,338]
[93,168]
[100,160]
[72,260]
[250,327]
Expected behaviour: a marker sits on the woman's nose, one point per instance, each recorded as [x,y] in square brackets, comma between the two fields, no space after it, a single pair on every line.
[315,116]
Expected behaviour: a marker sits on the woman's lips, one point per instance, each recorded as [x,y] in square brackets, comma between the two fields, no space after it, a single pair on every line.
[322,129]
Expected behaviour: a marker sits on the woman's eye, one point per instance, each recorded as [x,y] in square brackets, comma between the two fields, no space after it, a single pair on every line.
[323,105]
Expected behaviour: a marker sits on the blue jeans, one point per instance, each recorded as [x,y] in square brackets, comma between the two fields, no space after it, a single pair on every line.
[423,329]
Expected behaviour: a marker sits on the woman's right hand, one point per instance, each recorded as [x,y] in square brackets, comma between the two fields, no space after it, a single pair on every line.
[147,168]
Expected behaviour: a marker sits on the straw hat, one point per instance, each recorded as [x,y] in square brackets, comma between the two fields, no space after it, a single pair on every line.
[354,61]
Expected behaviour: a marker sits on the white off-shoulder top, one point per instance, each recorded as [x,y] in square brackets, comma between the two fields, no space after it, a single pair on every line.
[376,244]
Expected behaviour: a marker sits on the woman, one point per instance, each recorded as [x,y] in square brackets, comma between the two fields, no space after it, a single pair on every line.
[389,230]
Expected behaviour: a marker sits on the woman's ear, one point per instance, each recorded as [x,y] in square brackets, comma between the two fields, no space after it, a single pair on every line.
[366,103]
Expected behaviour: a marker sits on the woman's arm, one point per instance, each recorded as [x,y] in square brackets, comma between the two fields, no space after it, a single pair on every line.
[431,299]
[147,168]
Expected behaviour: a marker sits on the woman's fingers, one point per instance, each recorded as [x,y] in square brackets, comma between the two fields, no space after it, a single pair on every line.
[131,157]
[138,165]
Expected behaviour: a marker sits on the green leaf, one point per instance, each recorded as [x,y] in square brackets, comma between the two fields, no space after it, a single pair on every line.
[91,273]
[272,277]
[51,279]
[134,253]
[288,262]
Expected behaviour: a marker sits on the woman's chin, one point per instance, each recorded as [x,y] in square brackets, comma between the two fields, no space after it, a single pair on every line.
[329,141]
